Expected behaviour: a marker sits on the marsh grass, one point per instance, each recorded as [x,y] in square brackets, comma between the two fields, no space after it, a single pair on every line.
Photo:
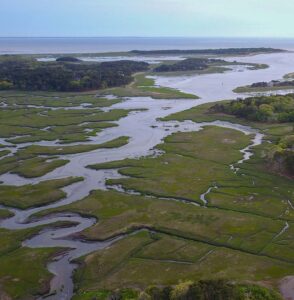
[28,196]
[145,87]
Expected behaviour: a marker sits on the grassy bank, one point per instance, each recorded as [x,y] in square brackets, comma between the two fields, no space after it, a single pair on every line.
[63,150]
[27,161]
[249,89]
[23,272]
[145,87]
[4,214]
[28,196]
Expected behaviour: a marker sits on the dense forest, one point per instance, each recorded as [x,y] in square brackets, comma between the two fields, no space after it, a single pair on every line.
[270,109]
[30,75]
[190,64]
[278,109]
[228,51]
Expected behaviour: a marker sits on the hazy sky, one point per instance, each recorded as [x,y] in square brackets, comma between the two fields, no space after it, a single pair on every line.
[147,18]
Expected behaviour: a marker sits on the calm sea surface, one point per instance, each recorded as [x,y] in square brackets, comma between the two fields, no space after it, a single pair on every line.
[111,44]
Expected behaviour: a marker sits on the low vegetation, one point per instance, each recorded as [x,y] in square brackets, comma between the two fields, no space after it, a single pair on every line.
[63,150]
[4,153]
[193,227]
[31,118]
[191,243]
[27,196]
[28,163]
[23,272]
[29,166]
[145,87]
[29,124]
[4,214]
[238,235]
[37,166]
[54,100]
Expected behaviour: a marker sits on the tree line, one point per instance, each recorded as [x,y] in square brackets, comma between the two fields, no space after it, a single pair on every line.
[272,109]
[66,75]
[189,64]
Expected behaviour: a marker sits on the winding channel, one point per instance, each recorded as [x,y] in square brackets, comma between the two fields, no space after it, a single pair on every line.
[145,132]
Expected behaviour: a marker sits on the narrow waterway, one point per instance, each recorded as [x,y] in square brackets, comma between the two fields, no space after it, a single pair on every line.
[145,132]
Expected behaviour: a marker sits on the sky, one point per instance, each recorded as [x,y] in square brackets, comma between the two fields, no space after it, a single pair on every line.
[192,18]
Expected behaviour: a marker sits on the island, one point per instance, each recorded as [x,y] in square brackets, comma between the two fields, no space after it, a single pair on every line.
[202,66]
[224,51]
[267,86]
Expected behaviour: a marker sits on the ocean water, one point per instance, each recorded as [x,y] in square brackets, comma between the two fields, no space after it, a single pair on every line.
[117,44]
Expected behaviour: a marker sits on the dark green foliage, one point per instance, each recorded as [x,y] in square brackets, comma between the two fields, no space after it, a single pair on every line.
[157,293]
[273,83]
[190,64]
[124,294]
[205,290]
[212,290]
[68,59]
[284,160]
[66,76]
[279,109]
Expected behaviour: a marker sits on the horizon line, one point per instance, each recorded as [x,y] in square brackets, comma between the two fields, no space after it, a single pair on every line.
[142,37]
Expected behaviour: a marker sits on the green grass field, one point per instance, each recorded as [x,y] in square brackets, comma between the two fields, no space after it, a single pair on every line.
[63,150]
[249,89]
[239,236]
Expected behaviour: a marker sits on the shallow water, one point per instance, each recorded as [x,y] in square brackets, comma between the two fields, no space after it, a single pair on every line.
[214,87]
[148,59]
[145,132]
